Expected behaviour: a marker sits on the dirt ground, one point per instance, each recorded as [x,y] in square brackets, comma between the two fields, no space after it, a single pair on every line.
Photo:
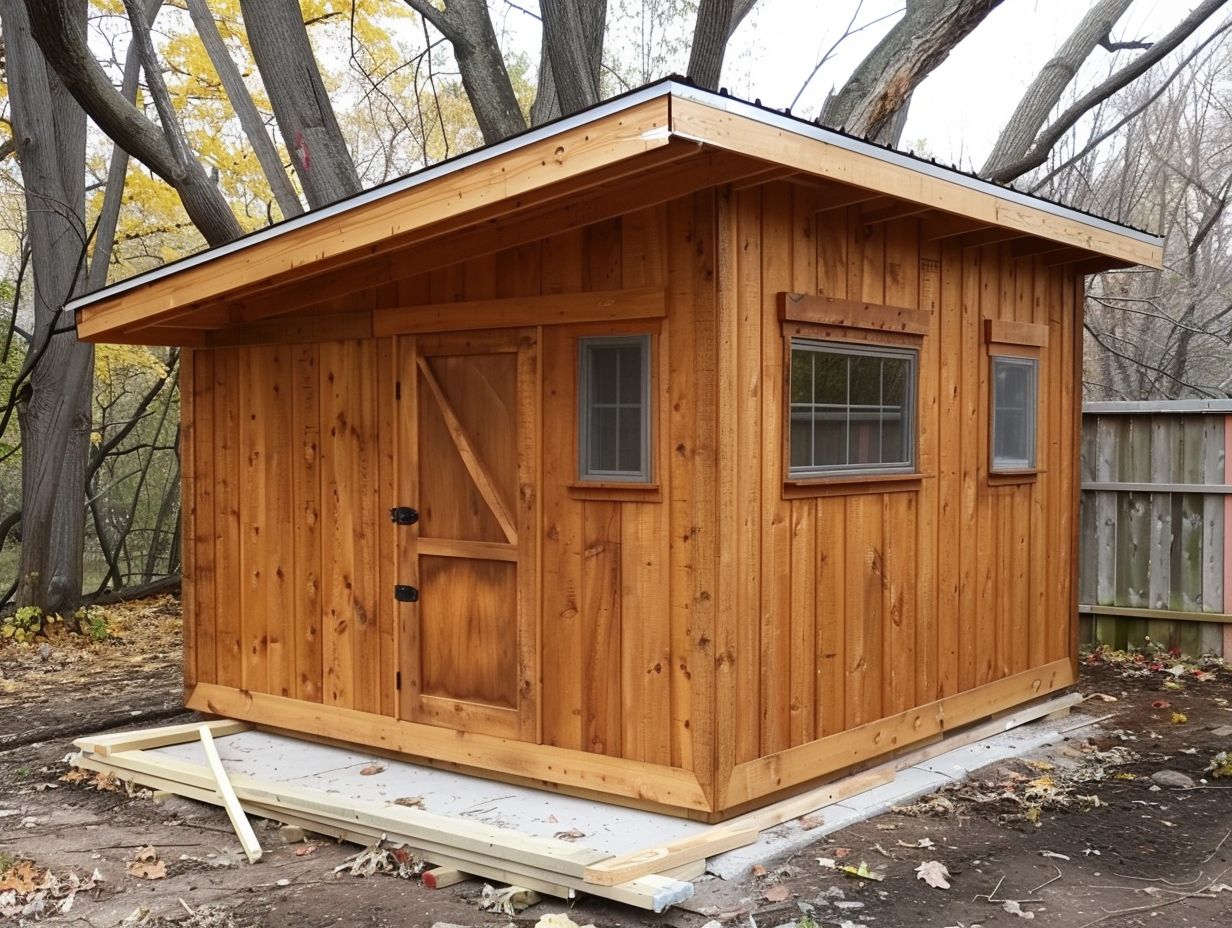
[1077,836]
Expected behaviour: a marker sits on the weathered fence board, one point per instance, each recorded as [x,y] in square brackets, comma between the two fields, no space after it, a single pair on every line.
[1154,503]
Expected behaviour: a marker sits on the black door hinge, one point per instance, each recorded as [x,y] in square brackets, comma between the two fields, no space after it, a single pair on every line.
[406,594]
[403,515]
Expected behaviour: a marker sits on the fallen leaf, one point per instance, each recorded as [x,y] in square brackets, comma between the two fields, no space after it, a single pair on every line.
[571,835]
[809,822]
[23,877]
[923,842]
[934,873]
[1179,718]
[863,872]
[305,850]
[411,802]
[1161,704]
[757,871]
[841,852]
[145,865]
[372,770]
[778,893]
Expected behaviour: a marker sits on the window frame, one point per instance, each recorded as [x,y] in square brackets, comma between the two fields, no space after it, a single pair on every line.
[586,475]
[1031,361]
[899,470]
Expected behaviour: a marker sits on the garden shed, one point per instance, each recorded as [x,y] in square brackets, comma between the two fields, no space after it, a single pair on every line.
[680,453]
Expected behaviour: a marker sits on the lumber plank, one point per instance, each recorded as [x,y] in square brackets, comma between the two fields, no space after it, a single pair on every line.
[874,738]
[442,877]
[1013,332]
[239,821]
[165,736]
[652,860]
[516,312]
[828,310]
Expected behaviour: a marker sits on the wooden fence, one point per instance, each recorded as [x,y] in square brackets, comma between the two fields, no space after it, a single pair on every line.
[1155,501]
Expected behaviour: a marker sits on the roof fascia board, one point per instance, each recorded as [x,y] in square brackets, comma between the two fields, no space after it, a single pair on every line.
[1141,247]
[376,194]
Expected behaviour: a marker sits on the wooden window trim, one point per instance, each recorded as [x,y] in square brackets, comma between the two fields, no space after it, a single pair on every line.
[797,486]
[852,314]
[1012,475]
[649,491]
[1003,332]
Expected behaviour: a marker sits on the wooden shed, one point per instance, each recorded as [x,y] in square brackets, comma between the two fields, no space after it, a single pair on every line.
[680,453]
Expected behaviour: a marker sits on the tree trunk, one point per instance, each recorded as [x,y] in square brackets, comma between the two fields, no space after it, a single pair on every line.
[1047,137]
[241,101]
[468,27]
[710,36]
[301,104]
[61,35]
[1045,91]
[573,40]
[214,217]
[54,416]
[918,43]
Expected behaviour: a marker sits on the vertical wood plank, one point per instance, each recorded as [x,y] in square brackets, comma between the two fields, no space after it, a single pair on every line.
[750,448]
[386,532]
[306,490]
[970,445]
[831,614]
[951,535]
[776,275]
[801,514]
[601,613]
[202,499]
[228,603]
[563,257]
[255,529]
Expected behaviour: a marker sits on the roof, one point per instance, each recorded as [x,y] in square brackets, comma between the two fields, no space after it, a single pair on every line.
[614,142]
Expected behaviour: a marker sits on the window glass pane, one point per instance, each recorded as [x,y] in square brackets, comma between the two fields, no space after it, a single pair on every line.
[630,438]
[630,373]
[802,376]
[895,396]
[604,373]
[613,409]
[604,422]
[857,416]
[1014,399]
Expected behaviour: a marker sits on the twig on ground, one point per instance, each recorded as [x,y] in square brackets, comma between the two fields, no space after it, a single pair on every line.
[1046,882]
[1156,879]
[1158,905]
[1208,857]
[991,897]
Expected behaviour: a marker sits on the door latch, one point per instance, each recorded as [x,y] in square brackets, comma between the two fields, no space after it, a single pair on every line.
[406,594]
[403,515]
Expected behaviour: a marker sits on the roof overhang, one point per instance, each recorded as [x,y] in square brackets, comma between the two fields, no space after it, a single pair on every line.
[565,169]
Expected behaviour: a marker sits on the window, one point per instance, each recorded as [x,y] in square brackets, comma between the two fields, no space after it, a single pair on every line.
[1013,419]
[852,409]
[614,410]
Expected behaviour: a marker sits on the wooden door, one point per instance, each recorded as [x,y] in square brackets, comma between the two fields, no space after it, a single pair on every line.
[468,464]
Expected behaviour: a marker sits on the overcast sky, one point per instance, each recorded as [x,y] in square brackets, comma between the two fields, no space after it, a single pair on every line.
[959,110]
